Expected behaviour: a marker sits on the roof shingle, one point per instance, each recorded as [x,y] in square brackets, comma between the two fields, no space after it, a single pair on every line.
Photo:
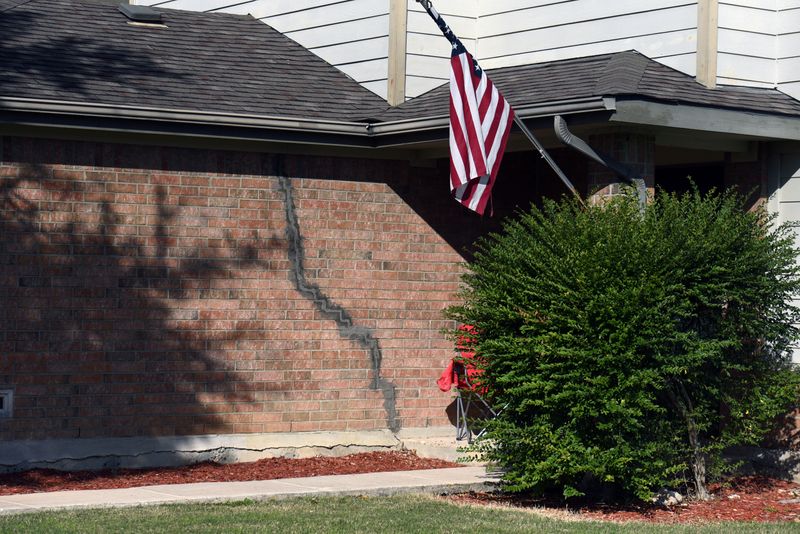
[82,51]
[85,51]
[619,74]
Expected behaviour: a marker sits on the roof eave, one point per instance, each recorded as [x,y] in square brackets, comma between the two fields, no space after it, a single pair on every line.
[33,112]
[683,116]
[191,123]
[56,107]
[530,111]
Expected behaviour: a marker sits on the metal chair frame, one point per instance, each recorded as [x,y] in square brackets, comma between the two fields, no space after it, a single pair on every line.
[465,398]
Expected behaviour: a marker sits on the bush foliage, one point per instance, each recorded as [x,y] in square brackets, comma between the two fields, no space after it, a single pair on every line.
[630,347]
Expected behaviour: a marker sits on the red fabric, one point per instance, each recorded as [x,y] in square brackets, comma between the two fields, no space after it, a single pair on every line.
[448,378]
[454,372]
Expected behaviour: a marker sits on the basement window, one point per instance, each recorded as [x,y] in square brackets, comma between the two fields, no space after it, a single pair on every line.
[6,402]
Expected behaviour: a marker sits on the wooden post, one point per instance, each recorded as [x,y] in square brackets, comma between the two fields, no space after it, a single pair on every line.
[707,30]
[398,29]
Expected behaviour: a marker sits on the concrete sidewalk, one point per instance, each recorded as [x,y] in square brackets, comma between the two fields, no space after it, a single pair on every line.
[428,481]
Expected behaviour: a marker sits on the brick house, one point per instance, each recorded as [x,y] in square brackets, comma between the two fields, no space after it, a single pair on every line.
[216,244]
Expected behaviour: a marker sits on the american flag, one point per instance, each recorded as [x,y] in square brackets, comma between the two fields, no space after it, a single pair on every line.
[480,119]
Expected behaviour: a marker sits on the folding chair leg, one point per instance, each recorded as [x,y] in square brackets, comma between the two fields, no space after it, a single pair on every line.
[462,425]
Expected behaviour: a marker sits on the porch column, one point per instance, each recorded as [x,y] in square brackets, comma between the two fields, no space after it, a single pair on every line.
[748,172]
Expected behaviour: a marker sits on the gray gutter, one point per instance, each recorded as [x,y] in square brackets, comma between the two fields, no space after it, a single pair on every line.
[344,133]
[179,115]
[532,111]
[134,119]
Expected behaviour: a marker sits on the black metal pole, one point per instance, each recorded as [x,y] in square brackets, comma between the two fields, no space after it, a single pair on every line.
[448,33]
[546,156]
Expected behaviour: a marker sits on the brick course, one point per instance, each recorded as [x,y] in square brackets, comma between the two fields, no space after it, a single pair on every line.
[149,291]
[633,150]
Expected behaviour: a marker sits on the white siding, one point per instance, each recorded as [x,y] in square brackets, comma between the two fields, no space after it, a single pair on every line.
[747,42]
[759,40]
[759,44]
[515,32]
[428,52]
[493,7]
[789,20]
[686,63]
[353,35]
[191,5]
[788,200]
[792,89]
[789,48]
[790,70]
[790,187]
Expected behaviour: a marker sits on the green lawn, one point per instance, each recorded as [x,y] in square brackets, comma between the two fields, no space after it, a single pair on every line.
[346,514]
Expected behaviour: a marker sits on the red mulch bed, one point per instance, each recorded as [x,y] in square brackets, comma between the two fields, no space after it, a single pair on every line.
[753,498]
[41,480]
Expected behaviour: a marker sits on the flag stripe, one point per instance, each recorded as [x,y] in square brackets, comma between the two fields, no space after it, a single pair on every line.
[480,121]
[458,132]
[470,118]
[498,128]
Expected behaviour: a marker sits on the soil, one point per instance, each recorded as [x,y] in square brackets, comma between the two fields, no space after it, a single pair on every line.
[43,480]
[752,498]
[742,499]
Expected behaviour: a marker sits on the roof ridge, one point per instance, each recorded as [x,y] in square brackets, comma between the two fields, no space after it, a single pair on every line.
[543,64]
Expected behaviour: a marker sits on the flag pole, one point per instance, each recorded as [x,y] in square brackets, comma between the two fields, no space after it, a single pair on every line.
[546,157]
[448,33]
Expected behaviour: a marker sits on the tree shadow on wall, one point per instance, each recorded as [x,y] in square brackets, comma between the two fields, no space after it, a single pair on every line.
[103,333]
[524,180]
[37,56]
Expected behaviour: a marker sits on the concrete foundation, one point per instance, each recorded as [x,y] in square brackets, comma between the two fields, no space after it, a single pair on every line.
[778,463]
[114,453]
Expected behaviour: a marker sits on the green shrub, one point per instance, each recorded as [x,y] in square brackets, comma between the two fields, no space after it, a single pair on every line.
[630,348]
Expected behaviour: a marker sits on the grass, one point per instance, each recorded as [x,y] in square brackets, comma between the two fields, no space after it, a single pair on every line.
[403,514]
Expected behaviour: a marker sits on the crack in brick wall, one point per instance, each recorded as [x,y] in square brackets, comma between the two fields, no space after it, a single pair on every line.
[158,291]
[330,310]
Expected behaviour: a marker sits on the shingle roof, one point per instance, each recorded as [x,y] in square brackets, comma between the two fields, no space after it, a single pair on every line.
[619,74]
[84,51]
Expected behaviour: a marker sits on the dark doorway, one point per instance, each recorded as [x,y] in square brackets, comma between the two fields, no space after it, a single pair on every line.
[679,178]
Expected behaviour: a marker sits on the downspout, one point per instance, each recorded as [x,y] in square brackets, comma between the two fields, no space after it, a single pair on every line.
[629,176]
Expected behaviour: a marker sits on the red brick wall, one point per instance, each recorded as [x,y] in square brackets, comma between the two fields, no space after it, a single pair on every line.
[154,291]
[749,177]
[635,151]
